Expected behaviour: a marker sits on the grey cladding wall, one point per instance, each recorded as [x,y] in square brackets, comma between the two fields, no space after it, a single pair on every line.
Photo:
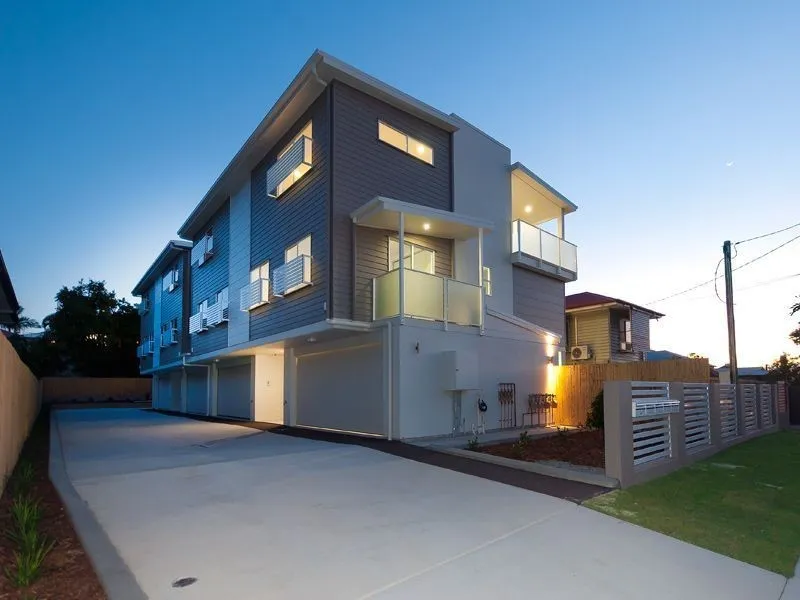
[364,167]
[171,308]
[640,335]
[539,299]
[277,223]
[147,327]
[372,260]
[207,280]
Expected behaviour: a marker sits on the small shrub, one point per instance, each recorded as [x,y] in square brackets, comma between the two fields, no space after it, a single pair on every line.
[25,514]
[562,432]
[22,479]
[518,450]
[27,564]
[473,444]
[524,439]
[594,418]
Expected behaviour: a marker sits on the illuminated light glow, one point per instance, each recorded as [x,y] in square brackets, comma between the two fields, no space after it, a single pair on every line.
[297,173]
[529,209]
[420,149]
[426,226]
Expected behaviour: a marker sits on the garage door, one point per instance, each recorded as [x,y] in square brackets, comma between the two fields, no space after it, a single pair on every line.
[197,390]
[233,391]
[164,392]
[342,389]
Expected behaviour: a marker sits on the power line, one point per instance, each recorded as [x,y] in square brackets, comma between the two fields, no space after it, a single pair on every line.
[747,288]
[716,271]
[758,237]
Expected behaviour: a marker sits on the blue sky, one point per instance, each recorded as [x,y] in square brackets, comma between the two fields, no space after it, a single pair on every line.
[673,126]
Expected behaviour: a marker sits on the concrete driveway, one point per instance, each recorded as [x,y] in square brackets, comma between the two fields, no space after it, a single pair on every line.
[257,515]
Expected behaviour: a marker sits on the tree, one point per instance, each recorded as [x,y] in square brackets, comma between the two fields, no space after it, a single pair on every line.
[92,332]
[795,335]
[23,323]
[785,368]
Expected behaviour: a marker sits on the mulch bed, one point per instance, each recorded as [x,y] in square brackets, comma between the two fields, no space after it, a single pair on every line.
[66,573]
[585,448]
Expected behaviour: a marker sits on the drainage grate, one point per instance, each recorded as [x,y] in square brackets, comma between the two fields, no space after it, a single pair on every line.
[184,582]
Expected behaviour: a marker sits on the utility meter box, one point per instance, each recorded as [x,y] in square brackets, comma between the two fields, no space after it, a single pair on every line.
[459,370]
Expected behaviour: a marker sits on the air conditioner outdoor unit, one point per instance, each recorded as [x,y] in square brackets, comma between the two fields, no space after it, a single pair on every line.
[580,352]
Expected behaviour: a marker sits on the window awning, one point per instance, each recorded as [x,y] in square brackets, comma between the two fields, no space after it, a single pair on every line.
[384,213]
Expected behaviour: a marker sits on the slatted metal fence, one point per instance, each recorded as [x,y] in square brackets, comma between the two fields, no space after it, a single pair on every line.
[697,416]
[650,410]
[729,419]
[765,404]
[748,391]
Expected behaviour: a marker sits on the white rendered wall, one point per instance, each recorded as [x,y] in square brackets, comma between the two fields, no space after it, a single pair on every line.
[239,265]
[268,374]
[506,354]
[482,188]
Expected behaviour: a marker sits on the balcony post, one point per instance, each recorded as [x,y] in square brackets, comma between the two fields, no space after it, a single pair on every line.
[480,276]
[561,225]
[401,237]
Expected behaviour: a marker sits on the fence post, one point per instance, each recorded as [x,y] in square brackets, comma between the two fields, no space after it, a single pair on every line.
[677,424]
[715,416]
[618,424]
[759,408]
[782,412]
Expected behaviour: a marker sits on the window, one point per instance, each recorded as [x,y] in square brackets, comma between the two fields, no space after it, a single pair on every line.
[304,158]
[414,257]
[260,272]
[301,248]
[170,280]
[202,307]
[625,335]
[404,142]
[487,281]
[222,296]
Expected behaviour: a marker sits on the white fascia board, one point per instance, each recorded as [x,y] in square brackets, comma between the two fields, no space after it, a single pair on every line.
[518,168]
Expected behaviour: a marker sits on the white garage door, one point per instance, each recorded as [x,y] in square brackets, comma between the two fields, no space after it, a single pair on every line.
[342,389]
[233,391]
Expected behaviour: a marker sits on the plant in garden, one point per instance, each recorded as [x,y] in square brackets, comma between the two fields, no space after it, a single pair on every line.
[524,439]
[594,418]
[25,513]
[473,444]
[23,478]
[27,563]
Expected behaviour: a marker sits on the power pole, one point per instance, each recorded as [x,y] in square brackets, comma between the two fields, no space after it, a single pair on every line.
[726,253]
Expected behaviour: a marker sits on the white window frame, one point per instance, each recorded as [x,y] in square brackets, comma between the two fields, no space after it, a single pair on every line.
[260,272]
[487,280]
[625,335]
[410,145]
[298,173]
[412,246]
[301,248]
[171,277]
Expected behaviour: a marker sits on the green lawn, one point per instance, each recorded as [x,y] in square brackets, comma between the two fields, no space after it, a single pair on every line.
[743,502]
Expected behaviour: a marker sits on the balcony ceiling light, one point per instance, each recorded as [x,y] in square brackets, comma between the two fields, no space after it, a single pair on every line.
[529,209]
[426,226]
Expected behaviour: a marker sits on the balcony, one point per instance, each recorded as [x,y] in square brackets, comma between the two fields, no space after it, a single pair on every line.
[291,165]
[197,323]
[539,250]
[427,297]
[217,313]
[254,294]
[292,276]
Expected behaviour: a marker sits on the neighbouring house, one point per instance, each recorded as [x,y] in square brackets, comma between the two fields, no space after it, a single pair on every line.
[605,329]
[9,306]
[365,263]
[749,373]
[656,355]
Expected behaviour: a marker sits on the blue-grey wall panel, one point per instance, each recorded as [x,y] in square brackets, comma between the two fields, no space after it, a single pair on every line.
[210,278]
[277,223]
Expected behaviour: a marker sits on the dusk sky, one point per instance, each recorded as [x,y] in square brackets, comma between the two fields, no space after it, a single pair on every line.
[672,125]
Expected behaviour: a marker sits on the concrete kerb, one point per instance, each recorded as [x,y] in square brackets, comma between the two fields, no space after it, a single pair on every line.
[115,576]
[598,479]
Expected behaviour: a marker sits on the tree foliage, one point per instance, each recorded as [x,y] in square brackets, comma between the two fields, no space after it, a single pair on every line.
[786,367]
[92,333]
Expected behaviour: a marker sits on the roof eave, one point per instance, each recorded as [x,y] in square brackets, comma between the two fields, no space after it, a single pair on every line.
[561,199]
[170,251]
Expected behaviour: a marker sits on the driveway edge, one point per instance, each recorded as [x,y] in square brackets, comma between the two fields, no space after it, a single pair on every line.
[532,467]
[115,576]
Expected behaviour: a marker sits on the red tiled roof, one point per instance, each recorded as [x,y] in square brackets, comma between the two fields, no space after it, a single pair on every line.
[586,299]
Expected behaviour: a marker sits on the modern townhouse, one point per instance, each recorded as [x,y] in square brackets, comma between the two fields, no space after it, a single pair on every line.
[365,263]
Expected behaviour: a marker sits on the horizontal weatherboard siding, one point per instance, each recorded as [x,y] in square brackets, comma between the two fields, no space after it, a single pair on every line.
[640,335]
[372,260]
[147,325]
[171,308]
[277,223]
[364,167]
[211,278]
[539,299]
[591,329]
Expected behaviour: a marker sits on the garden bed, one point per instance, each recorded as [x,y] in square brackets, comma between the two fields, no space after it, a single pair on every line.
[585,448]
[66,573]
